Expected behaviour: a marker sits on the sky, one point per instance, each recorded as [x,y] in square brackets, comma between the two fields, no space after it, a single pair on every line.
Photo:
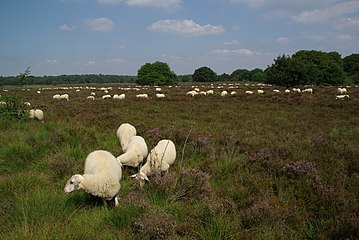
[55,37]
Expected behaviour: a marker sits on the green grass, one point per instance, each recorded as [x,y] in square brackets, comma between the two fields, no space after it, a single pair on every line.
[275,166]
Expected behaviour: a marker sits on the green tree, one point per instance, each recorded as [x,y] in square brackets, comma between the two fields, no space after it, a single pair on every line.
[204,74]
[351,67]
[157,73]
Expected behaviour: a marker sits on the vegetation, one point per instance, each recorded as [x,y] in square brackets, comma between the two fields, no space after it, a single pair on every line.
[204,74]
[351,67]
[157,73]
[271,166]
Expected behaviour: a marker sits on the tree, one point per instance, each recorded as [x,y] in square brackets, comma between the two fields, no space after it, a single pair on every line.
[204,74]
[157,73]
[351,67]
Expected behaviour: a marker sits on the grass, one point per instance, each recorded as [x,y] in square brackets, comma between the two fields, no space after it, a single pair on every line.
[272,166]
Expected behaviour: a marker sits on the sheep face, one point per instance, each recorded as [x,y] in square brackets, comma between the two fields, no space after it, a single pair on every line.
[141,177]
[73,183]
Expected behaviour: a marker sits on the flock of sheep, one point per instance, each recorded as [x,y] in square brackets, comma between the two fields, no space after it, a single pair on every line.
[103,171]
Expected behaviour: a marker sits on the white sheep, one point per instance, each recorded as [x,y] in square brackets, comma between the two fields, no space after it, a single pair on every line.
[287,91]
[56,96]
[159,160]
[260,91]
[224,93]
[27,104]
[308,90]
[210,92]
[192,93]
[124,133]
[119,97]
[276,91]
[143,95]
[90,97]
[160,95]
[101,178]
[136,151]
[342,96]
[342,91]
[297,90]
[38,114]
[248,92]
[158,89]
[233,93]
[64,96]
[106,96]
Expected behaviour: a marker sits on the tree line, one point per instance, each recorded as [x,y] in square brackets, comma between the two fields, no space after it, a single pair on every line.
[304,67]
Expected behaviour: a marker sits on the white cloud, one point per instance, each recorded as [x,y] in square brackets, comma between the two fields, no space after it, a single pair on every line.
[102,24]
[66,28]
[283,40]
[347,23]
[167,4]
[321,15]
[234,52]
[344,37]
[186,27]
[285,4]
[229,43]
[51,61]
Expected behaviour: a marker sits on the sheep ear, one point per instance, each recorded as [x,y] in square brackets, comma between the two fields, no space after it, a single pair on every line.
[134,175]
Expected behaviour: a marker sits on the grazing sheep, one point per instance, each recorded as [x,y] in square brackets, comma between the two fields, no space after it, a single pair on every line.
[106,96]
[160,95]
[159,160]
[233,93]
[56,96]
[135,153]
[38,92]
[119,97]
[342,91]
[158,89]
[27,104]
[192,93]
[308,90]
[287,91]
[297,90]
[64,96]
[210,92]
[259,91]
[124,133]
[276,91]
[248,92]
[342,96]
[38,114]
[91,97]
[143,95]
[224,93]
[93,94]
[101,178]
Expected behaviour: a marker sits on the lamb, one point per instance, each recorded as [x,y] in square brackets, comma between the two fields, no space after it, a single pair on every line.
[159,160]
[136,151]
[101,178]
[124,133]
[342,91]
[39,114]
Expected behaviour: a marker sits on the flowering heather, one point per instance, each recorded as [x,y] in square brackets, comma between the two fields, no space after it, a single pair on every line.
[299,168]
[153,133]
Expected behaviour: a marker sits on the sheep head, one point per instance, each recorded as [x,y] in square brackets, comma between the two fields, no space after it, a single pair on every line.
[73,183]
[141,177]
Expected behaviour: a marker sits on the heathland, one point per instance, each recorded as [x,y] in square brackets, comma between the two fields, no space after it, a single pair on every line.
[261,166]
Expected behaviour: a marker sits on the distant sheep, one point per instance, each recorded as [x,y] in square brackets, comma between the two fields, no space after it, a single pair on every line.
[56,96]
[38,114]
[233,93]
[159,160]
[158,89]
[342,91]
[101,178]
[308,90]
[160,95]
[64,96]
[248,92]
[276,91]
[119,97]
[260,91]
[192,93]
[106,96]
[91,97]
[342,96]
[136,151]
[210,92]
[224,93]
[287,91]
[297,90]
[124,133]
[143,95]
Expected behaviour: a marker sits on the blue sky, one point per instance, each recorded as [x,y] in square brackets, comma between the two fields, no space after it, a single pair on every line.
[56,37]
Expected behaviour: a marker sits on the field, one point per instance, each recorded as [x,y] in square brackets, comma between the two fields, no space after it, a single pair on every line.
[271,166]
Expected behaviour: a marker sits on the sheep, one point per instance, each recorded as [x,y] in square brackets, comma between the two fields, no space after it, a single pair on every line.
[203,93]
[27,104]
[56,96]
[233,93]
[93,94]
[297,90]
[135,153]
[260,91]
[287,91]
[160,95]
[224,93]
[144,95]
[38,114]
[38,92]
[106,96]
[192,93]
[101,178]
[210,92]
[124,133]
[119,97]
[342,91]
[308,90]
[91,97]
[248,92]
[158,89]
[159,160]
[342,96]
[276,91]
[64,96]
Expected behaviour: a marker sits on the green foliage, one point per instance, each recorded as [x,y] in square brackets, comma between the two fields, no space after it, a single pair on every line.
[306,67]
[157,73]
[204,74]
[255,75]
[351,67]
